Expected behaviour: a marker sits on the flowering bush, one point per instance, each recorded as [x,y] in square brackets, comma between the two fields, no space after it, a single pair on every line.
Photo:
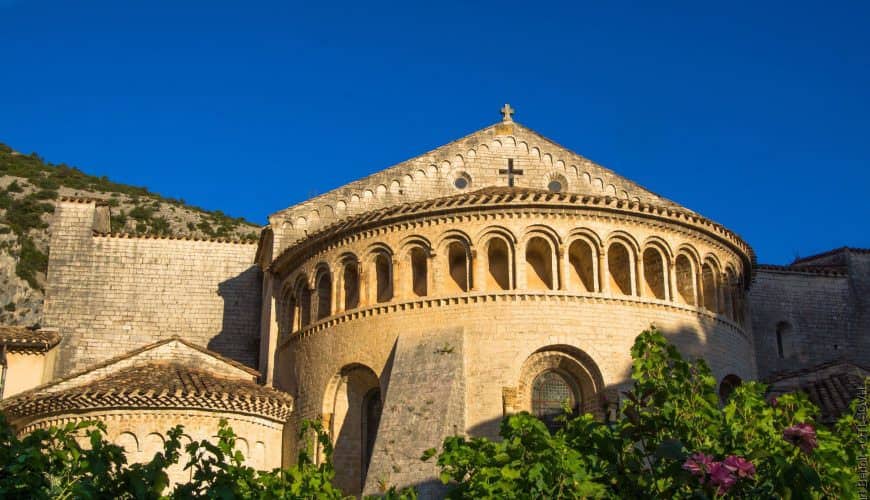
[672,438]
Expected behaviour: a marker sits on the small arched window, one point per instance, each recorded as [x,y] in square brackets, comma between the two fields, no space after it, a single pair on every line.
[419,272]
[619,265]
[581,275]
[710,283]
[654,273]
[384,277]
[301,305]
[459,266]
[552,392]
[350,280]
[685,279]
[498,257]
[324,294]
[539,264]
[783,331]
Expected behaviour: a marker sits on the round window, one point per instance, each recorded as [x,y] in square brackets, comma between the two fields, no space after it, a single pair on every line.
[555,186]
[460,183]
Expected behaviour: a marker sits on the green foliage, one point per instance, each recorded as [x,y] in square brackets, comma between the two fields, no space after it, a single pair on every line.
[671,439]
[48,178]
[30,262]
[53,463]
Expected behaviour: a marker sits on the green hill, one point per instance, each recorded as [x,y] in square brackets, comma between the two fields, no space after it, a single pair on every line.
[29,187]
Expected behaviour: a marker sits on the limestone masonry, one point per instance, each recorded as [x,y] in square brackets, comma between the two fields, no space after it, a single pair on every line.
[496,274]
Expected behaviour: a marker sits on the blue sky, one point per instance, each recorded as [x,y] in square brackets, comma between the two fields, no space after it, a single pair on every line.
[755,114]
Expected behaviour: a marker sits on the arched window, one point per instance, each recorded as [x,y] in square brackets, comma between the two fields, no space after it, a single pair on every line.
[460,268]
[654,276]
[302,303]
[619,265]
[350,281]
[552,392]
[685,279]
[581,257]
[710,284]
[539,264]
[371,418]
[783,332]
[498,257]
[324,294]
[384,277]
[419,272]
[729,383]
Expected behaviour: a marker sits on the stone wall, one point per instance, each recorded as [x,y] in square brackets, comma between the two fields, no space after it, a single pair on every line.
[424,403]
[823,303]
[109,294]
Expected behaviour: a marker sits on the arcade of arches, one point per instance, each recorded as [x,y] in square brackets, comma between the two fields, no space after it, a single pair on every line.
[618,269]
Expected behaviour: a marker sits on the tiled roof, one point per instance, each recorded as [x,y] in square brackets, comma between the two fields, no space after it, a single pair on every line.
[506,197]
[831,386]
[20,338]
[156,385]
[829,253]
[823,270]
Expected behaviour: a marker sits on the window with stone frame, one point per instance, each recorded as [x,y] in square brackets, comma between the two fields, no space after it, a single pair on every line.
[552,393]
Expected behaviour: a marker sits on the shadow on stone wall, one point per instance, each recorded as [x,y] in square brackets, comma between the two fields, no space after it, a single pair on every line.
[239,337]
[691,343]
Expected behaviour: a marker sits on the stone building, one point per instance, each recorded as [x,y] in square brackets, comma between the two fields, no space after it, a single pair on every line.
[496,274]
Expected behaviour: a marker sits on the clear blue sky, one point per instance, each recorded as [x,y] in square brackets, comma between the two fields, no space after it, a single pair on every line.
[755,114]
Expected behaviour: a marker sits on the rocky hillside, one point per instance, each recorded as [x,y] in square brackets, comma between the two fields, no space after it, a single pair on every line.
[29,187]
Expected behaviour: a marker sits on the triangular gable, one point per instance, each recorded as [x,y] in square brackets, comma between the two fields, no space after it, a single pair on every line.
[165,351]
[482,158]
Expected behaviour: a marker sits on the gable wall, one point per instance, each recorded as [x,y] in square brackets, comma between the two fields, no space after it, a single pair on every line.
[480,155]
[109,295]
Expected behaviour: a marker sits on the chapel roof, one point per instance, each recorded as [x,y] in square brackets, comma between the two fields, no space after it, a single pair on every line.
[21,338]
[484,157]
[156,385]
[831,386]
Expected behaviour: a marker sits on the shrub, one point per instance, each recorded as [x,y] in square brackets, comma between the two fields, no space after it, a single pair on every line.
[671,439]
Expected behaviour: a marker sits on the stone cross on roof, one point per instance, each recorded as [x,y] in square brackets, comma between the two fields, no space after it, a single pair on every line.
[506,112]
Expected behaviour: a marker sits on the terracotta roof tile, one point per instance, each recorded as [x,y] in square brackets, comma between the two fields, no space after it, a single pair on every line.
[831,386]
[156,385]
[20,338]
[509,197]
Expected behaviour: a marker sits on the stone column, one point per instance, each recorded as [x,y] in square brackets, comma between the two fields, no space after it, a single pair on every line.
[475,274]
[638,281]
[603,272]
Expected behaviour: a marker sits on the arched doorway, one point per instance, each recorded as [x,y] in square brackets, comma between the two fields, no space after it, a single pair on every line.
[352,407]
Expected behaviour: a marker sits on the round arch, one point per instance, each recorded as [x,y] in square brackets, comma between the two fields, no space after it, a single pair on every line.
[571,363]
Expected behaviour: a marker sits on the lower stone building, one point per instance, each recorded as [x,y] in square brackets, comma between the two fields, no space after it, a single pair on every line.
[498,273]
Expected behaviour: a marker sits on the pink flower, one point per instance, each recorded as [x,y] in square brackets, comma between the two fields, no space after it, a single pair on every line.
[803,436]
[698,464]
[743,467]
[773,401]
[722,477]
